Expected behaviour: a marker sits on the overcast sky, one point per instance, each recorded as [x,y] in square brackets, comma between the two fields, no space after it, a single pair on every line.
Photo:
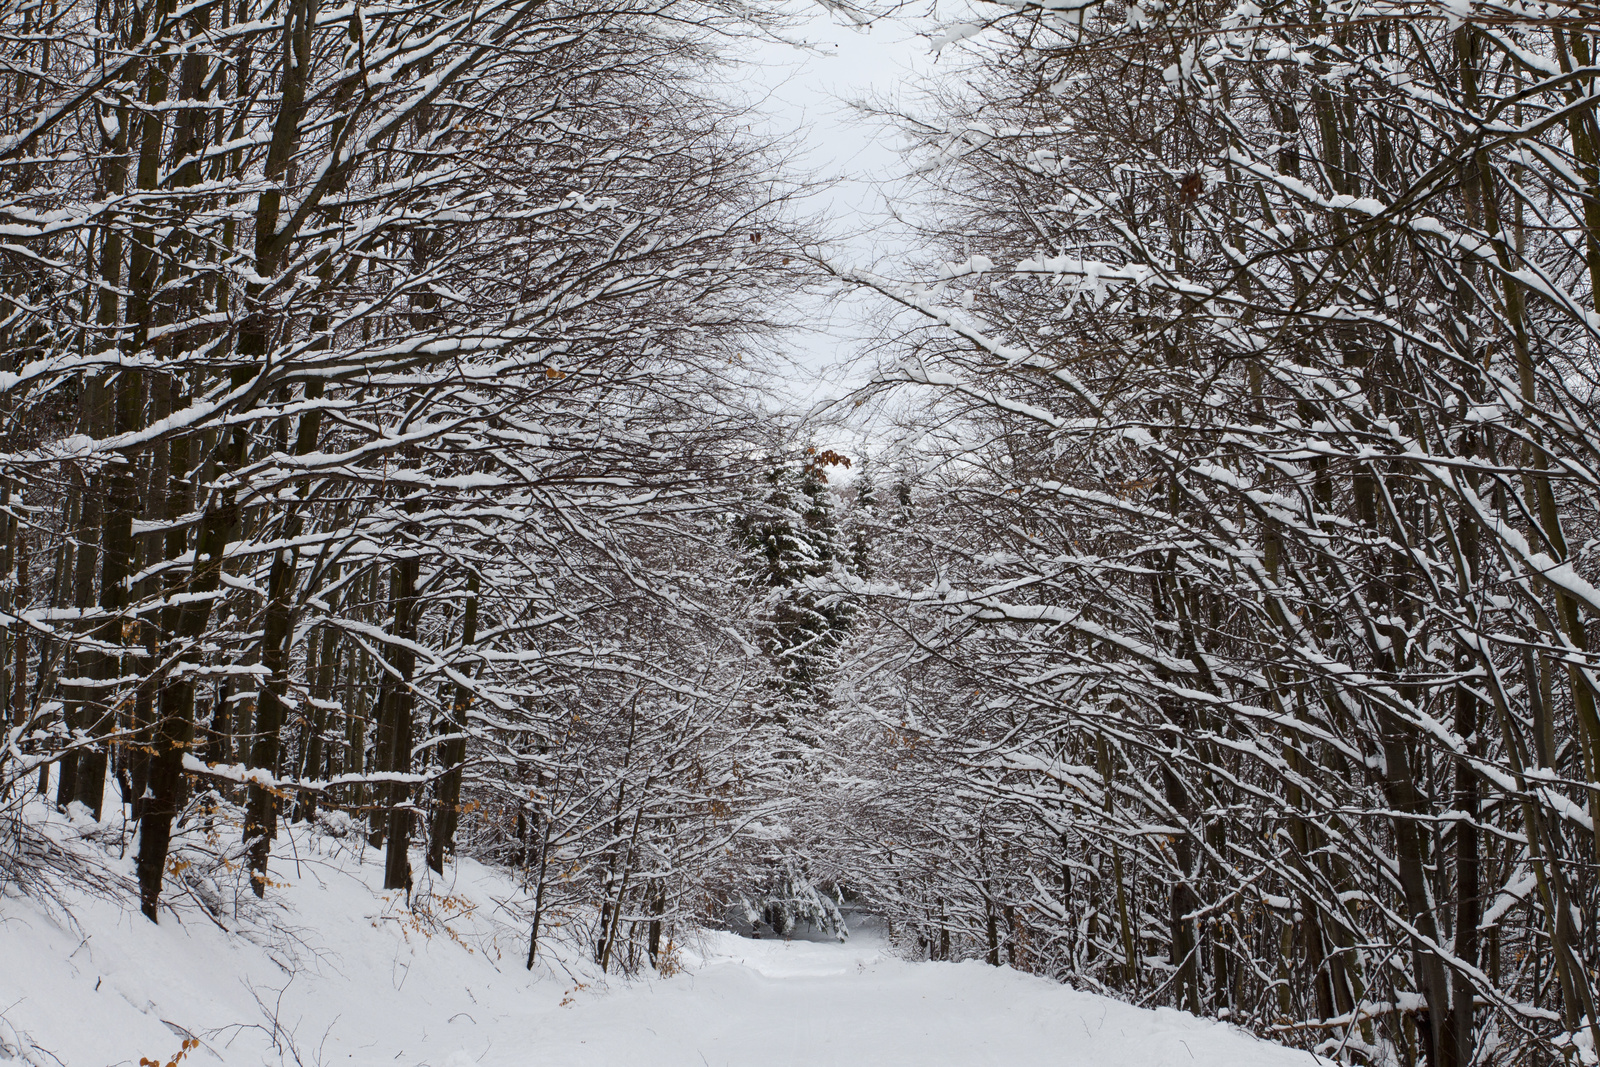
[805,95]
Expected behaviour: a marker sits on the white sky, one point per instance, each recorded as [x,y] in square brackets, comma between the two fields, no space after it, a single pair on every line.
[805,96]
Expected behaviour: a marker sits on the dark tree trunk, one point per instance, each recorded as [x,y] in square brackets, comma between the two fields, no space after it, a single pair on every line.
[1469,898]
[447,800]
[78,770]
[160,805]
[397,868]
[261,814]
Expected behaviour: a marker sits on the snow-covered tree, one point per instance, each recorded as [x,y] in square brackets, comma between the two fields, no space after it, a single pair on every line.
[369,372]
[1268,339]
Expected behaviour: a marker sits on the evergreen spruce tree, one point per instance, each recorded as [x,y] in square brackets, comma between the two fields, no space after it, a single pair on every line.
[791,536]
[792,540]
[863,515]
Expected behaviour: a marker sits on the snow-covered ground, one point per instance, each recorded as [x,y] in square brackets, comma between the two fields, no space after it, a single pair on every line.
[336,972]
[790,1004]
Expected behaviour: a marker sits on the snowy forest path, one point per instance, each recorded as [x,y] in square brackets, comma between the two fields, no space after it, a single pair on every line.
[771,1003]
[331,971]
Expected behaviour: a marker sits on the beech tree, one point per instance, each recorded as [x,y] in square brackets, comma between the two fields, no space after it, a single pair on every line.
[1266,339]
[364,367]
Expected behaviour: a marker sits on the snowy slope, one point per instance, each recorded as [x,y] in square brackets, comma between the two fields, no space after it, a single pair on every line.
[336,972]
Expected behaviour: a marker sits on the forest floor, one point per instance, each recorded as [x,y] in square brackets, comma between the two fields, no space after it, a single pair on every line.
[331,971]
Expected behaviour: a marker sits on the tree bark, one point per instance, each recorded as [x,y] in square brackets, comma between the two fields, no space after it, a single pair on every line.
[397,866]
[453,752]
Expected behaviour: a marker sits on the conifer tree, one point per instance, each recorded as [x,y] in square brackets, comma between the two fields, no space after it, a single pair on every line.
[792,542]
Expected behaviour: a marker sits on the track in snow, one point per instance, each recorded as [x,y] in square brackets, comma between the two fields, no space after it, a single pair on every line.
[769,1003]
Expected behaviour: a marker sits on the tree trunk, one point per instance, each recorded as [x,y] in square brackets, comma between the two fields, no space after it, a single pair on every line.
[453,752]
[397,868]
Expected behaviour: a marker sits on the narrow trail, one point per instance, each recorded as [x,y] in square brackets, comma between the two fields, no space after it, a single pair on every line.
[770,1003]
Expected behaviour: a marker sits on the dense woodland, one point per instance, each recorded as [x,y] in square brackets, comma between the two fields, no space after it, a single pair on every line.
[385,449]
